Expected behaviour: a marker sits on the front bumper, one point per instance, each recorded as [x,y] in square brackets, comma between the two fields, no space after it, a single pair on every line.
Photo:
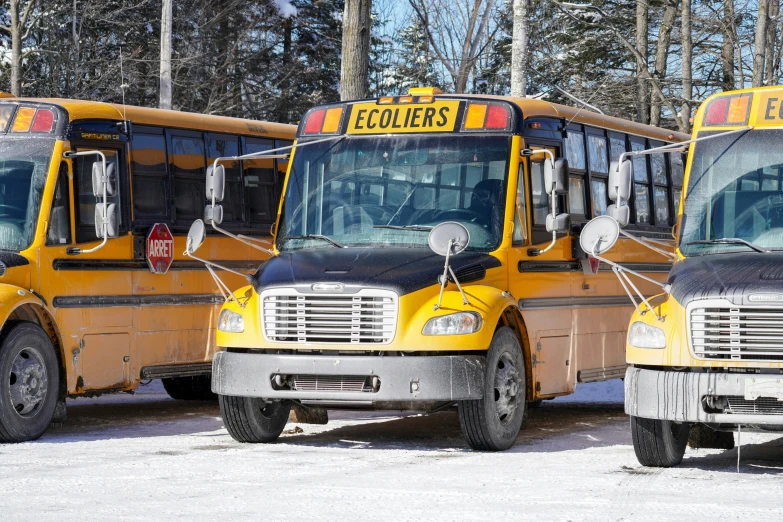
[415,378]
[678,396]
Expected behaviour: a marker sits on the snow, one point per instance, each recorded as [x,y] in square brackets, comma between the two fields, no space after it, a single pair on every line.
[284,8]
[144,456]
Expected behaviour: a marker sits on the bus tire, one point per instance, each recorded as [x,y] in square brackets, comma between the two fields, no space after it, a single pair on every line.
[492,423]
[29,363]
[248,419]
[196,388]
[659,443]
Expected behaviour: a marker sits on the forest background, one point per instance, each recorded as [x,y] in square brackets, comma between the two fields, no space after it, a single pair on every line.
[649,61]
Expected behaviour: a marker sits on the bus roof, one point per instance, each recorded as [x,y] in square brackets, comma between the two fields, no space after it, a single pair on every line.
[91,110]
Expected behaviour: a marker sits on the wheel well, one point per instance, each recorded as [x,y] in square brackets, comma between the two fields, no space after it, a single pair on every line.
[512,318]
[38,315]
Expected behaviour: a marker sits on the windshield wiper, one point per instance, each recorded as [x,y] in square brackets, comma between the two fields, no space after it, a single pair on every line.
[317,236]
[729,241]
[419,228]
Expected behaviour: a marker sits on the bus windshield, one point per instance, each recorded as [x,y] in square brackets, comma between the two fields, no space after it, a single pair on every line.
[734,200]
[391,190]
[24,164]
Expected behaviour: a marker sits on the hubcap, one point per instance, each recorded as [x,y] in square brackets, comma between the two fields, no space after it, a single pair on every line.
[27,382]
[507,390]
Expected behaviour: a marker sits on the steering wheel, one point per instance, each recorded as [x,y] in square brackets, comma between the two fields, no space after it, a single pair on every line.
[464,214]
[5,206]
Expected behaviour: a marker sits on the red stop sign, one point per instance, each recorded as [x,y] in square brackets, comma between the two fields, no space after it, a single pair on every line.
[160,248]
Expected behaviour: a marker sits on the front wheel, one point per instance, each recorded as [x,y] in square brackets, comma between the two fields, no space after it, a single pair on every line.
[248,419]
[29,383]
[659,443]
[492,423]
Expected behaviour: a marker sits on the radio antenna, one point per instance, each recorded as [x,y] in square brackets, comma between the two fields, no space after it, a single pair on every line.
[123,86]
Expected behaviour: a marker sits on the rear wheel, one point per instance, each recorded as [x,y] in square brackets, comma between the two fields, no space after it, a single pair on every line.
[492,423]
[659,443]
[249,419]
[29,382]
[196,388]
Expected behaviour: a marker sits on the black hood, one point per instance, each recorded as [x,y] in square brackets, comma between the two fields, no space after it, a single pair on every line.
[402,270]
[729,276]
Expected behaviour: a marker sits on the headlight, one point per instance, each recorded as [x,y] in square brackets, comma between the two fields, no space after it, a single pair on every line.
[643,335]
[453,324]
[231,322]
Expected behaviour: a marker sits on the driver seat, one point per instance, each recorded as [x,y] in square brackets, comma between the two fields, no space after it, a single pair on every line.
[484,201]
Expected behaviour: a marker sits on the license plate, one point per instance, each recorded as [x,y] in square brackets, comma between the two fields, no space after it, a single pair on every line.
[755,388]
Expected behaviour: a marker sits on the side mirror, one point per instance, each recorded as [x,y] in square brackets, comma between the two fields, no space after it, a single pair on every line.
[620,177]
[620,214]
[196,236]
[112,229]
[216,183]
[558,223]
[556,176]
[99,179]
[213,214]
[599,235]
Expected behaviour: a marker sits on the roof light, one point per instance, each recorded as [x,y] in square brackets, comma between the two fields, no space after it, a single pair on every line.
[728,110]
[324,121]
[497,117]
[386,100]
[475,117]
[24,117]
[315,121]
[406,99]
[44,121]
[486,116]
[332,120]
[424,91]
[425,99]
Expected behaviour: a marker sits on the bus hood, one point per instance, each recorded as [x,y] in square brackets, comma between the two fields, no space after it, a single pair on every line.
[402,270]
[747,278]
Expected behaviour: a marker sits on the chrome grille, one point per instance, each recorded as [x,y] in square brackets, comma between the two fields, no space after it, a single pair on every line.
[743,333]
[761,406]
[366,317]
[332,383]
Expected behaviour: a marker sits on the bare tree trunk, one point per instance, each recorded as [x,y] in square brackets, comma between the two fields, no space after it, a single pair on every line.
[687,60]
[165,55]
[519,48]
[356,50]
[662,55]
[772,38]
[642,27]
[760,47]
[727,50]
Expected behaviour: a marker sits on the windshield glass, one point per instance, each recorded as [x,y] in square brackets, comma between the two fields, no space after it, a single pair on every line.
[380,191]
[24,164]
[735,192]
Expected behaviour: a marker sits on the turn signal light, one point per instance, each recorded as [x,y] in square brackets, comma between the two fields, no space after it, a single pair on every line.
[323,121]
[484,116]
[728,110]
[24,118]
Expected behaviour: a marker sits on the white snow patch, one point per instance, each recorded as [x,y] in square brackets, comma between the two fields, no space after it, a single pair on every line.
[284,8]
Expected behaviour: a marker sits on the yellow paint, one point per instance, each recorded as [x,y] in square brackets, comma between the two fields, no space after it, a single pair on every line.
[93,343]
[370,118]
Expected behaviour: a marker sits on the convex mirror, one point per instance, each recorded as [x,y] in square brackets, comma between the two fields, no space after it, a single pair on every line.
[216,182]
[449,238]
[556,176]
[196,236]
[99,179]
[112,228]
[599,235]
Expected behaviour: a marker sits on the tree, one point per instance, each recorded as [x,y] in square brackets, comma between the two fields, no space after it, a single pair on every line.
[760,46]
[415,66]
[165,55]
[22,21]
[729,35]
[355,49]
[662,55]
[642,30]
[519,50]
[687,73]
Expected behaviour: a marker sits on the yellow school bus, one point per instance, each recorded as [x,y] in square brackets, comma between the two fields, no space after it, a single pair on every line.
[85,306]
[425,256]
[706,358]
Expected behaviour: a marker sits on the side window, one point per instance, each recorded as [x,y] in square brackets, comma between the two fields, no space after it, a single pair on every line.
[520,210]
[188,166]
[539,195]
[86,200]
[59,232]
[641,187]
[678,175]
[577,165]
[660,186]
[150,177]
[221,146]
[282,167]
[599,172]
[260,183]
[616,146]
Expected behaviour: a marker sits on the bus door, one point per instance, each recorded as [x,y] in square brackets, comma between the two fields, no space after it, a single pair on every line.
[90,292]
[542,284]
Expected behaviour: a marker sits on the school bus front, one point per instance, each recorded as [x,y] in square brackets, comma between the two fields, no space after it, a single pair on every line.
[713,363]
[351,312]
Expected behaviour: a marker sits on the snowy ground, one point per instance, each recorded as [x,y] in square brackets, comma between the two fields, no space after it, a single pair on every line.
[147,457]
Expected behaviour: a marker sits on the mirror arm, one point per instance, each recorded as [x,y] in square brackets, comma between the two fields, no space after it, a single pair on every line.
[221,267]
[644,242]
[535,252]
[73,251]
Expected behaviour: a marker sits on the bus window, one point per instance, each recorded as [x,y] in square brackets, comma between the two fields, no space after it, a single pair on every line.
[677,167]
[575,150]
[616,146]
[520,210]
[660,186]
[150,177]
[539,196]
[187,160]
[641,178]
[576,196]
[599,172]
[59,232]
[221,146]
[259,180]
[86,200]
[282,167]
